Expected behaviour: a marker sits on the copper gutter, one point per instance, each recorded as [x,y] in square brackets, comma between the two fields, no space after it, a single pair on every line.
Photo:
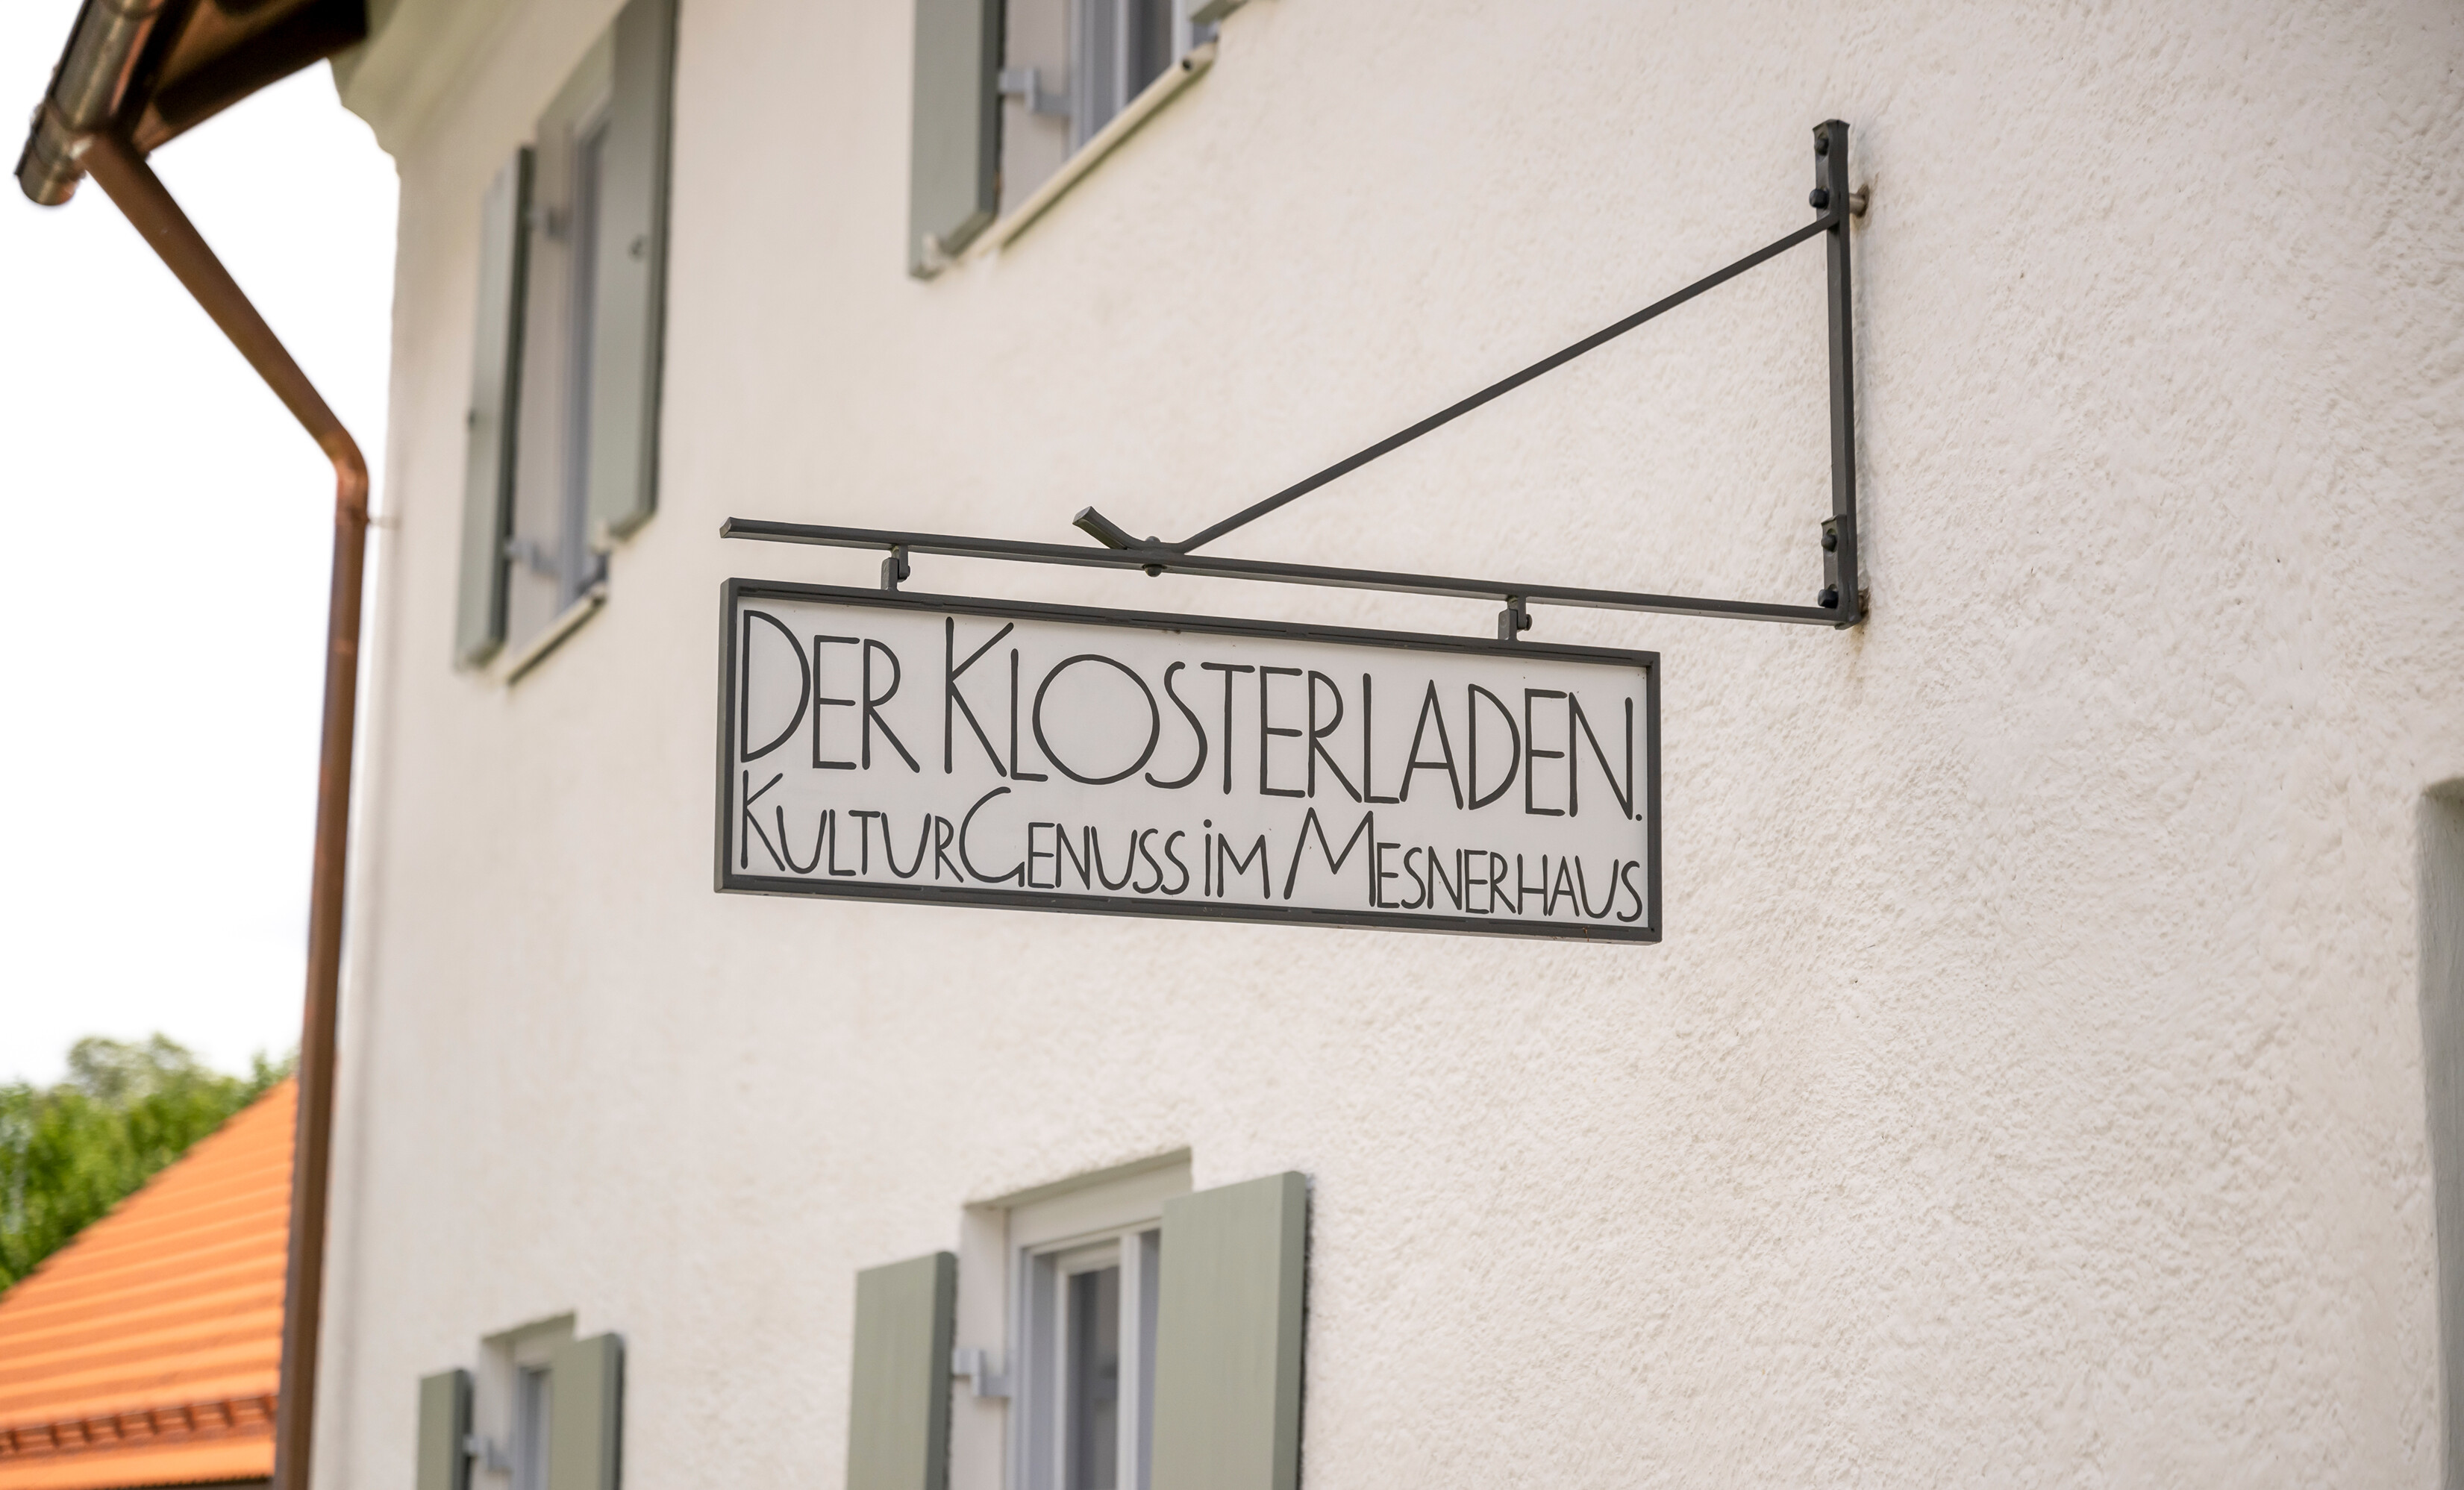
[140,194]
[86,91]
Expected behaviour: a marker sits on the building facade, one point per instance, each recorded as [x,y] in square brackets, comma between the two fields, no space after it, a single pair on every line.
[2038,1071]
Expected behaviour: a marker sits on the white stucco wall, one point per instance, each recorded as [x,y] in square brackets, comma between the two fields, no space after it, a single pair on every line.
[2030,1086]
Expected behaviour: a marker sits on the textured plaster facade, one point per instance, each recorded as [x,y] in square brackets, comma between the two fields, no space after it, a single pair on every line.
[2029,1088]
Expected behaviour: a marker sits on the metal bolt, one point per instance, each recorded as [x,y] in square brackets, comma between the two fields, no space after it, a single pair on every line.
[1829,599]
[1830,542]
[1820,198]
[1513,621]
[1822,141]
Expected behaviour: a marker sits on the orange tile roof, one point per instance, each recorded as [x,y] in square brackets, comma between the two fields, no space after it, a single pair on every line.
[146,1352]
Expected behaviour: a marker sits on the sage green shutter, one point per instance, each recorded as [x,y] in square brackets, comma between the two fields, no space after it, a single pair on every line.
[953,171]
[899,1413]
[444,1424]
[586,1414]
[496,408]
[629,316]
[1227,1372]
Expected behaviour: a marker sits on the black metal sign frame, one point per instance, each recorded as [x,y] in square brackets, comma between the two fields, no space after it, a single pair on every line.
[1840,604]
[729,879]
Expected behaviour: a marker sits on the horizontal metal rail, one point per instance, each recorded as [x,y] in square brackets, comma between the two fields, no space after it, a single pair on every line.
[1160,561]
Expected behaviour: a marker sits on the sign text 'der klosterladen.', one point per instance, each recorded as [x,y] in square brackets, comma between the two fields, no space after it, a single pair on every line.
[890,746]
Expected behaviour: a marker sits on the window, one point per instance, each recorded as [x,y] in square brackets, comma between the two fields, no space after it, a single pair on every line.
[531,1410]
[1086,1264]
[512,1403]
[1069,68]
[1015,100]
[1088,1361]
[544,1412]
[556,576]
[563,439]
[1154,1334]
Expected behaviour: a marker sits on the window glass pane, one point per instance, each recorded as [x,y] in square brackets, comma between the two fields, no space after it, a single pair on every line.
[1097,84]
[1095,1380]
[1142,1318]
[529,1429]
[1150,44]
[1123,45]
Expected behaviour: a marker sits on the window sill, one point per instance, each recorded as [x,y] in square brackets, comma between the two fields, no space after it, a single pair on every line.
[1181,75]
[566,623]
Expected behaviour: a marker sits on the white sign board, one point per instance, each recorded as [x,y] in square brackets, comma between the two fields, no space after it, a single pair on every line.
[893,746]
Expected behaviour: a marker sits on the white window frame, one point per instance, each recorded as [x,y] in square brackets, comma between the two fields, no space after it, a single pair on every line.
[507,1433]
[1028,1243]
[533,1402]
[1043,1386]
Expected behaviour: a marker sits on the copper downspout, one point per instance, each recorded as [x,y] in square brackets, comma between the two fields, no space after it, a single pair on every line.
[140,195]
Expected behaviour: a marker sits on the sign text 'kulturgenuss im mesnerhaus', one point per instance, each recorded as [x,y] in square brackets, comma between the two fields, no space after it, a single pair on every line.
[887,746]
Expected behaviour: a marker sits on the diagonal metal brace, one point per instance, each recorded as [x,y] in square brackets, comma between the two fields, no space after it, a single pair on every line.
[1842,594]
[1497,390]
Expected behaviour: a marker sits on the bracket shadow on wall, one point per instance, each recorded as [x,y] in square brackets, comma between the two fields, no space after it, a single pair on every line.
[1840,603]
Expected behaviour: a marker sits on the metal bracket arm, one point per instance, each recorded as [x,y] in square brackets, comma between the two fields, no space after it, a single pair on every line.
[1840,603]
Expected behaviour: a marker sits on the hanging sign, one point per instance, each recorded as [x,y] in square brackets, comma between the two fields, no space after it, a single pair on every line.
[886,746]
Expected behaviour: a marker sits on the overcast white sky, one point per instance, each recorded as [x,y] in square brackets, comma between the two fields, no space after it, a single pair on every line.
[163,572]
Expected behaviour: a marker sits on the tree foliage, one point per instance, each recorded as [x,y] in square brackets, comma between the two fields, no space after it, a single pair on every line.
[71,1152]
